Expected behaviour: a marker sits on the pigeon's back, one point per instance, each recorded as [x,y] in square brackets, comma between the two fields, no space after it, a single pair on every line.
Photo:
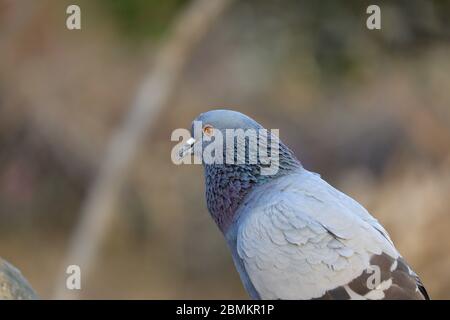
[297,237]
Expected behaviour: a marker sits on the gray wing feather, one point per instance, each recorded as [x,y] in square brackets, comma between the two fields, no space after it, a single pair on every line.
[299,238]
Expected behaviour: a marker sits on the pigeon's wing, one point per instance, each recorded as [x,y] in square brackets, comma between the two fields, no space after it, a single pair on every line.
[299,238]
[13,286]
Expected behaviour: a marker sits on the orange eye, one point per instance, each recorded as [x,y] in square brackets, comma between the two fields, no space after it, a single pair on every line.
[208,130]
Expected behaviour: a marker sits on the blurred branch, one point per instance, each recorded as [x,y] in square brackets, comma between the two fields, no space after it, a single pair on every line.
[16,17]
[151,97]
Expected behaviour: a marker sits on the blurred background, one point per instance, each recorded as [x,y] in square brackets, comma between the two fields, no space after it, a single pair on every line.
[369,110]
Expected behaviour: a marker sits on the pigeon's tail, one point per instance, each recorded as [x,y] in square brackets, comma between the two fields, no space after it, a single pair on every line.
[398,281]
[422,289]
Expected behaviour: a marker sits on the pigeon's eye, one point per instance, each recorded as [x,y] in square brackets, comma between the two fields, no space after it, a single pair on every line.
[208,130]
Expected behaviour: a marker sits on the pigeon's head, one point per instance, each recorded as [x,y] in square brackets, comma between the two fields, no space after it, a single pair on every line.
[237,154]
[226,137]
[225,119]
[219,135]
[210,129]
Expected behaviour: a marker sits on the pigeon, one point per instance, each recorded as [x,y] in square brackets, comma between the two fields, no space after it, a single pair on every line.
[13,286]
[291,234]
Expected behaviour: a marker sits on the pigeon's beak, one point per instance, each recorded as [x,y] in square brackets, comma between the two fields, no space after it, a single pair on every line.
[186,149]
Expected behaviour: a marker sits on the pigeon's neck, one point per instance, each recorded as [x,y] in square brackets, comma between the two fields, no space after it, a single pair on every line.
[227,185]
